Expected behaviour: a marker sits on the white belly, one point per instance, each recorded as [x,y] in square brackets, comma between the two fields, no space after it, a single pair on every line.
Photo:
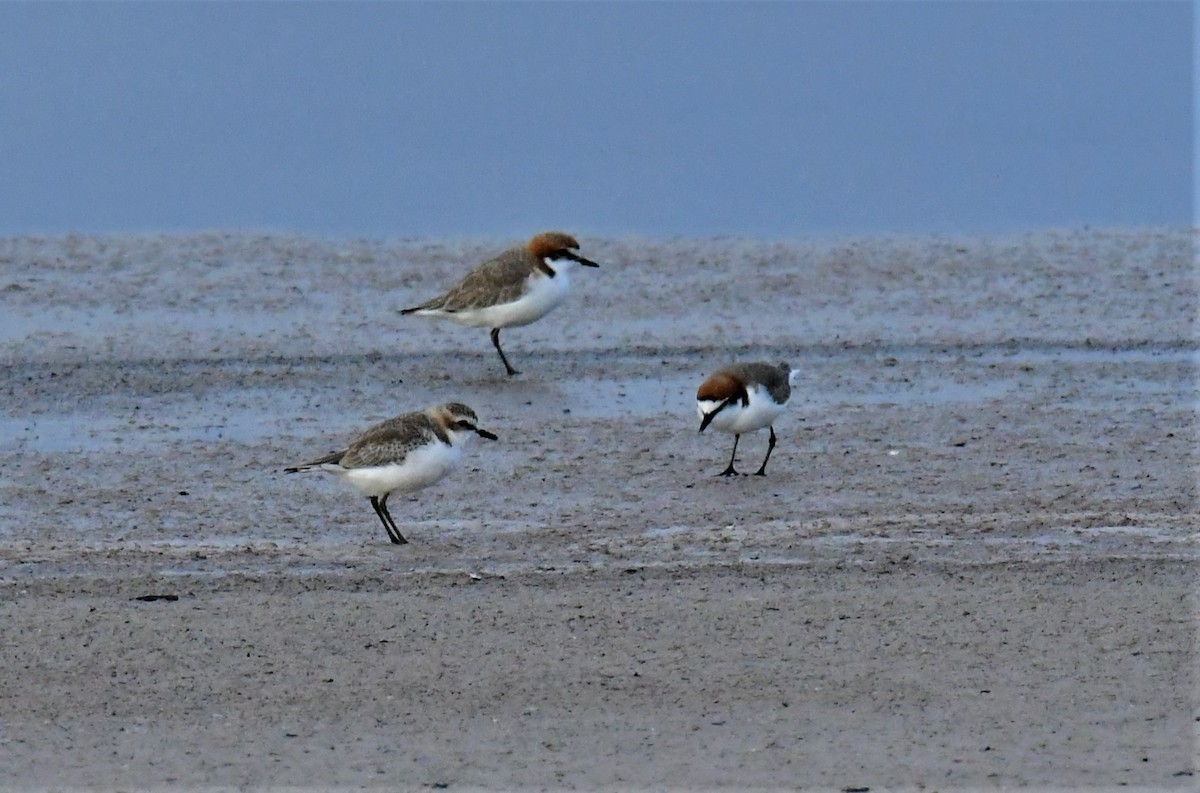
[541,297]
[761,412]
[420,469]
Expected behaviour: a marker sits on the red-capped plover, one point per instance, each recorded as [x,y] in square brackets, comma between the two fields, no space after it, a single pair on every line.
[743,398]
[405,453]
[517,287]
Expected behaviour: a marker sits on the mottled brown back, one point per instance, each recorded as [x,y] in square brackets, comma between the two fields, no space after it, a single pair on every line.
[390,441]
[498,280]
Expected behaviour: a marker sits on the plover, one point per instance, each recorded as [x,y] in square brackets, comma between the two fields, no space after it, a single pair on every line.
[405,453]
[743,398]
[517,287]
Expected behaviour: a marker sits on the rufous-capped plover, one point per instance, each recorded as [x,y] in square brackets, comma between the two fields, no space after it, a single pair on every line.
[405,453]
[743,398]
[517,287]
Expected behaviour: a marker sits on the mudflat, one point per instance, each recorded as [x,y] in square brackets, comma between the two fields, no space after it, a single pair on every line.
[972,563]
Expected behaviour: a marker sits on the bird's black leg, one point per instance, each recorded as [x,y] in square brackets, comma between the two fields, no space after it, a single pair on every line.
[496,341]
[729,468]
[379,513]
[397,537]
[390,525]
[762,471]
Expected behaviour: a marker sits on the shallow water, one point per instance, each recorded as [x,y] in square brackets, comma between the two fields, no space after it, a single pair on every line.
[1034,400]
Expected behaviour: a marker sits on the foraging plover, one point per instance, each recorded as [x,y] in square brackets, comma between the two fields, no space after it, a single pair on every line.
[405,453]
[743,398]
[517,287]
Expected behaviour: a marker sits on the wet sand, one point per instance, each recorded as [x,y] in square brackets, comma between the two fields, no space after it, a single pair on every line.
[973,562]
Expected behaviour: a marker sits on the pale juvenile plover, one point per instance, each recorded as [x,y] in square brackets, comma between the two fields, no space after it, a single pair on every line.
[405,453]
[517,287]
[743,398]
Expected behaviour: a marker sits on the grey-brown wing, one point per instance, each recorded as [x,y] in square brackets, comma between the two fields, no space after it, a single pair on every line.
[498,280]
[772,376]
[392,440]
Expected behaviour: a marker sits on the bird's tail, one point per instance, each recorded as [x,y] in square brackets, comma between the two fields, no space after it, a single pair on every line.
[431,305]
[332,457]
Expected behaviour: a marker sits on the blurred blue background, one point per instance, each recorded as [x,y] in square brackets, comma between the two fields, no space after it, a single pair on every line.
[774,120]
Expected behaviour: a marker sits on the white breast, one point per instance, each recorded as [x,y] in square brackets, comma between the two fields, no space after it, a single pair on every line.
[542,294]
[761,412]
[421,468]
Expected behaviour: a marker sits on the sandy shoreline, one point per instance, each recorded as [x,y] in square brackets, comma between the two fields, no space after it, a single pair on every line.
[1050,674]
[973,564]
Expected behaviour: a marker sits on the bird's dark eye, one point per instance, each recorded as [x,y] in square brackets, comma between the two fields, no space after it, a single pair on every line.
[464,424]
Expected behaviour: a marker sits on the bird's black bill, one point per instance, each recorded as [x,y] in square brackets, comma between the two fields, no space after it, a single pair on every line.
[484,433]
[708,417]
[575,257]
